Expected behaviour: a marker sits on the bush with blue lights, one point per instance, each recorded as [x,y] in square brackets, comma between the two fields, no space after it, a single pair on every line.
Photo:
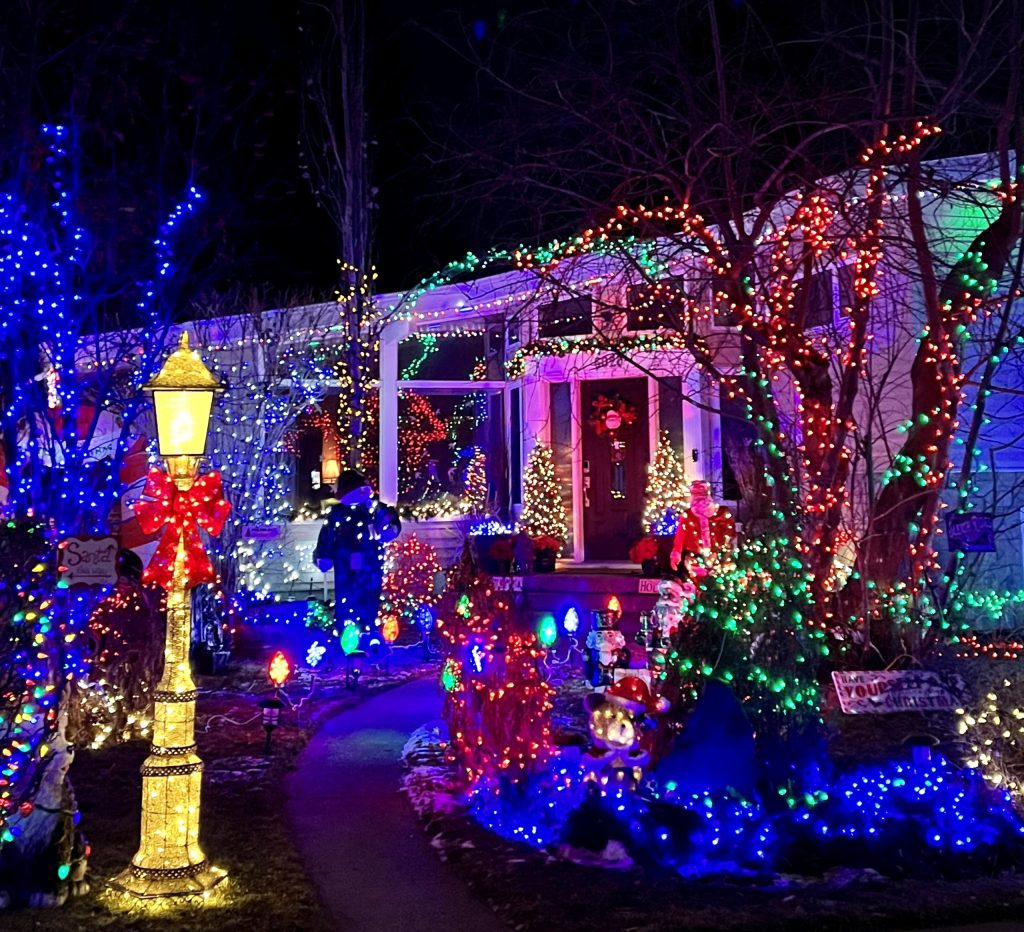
[900,818]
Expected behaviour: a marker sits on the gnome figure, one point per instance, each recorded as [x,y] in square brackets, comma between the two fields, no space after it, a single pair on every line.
[605,647]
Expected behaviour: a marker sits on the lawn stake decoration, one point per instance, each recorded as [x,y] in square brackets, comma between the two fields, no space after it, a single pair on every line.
[278,671]
[170,861]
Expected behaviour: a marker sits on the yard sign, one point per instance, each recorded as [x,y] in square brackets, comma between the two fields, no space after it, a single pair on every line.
[897,691]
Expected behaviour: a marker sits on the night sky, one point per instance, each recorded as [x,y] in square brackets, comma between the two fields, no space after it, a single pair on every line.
[167,93]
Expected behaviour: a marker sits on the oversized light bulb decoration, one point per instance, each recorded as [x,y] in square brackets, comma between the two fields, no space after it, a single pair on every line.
[279,670]
[547,631]
[571,621]
[350,638]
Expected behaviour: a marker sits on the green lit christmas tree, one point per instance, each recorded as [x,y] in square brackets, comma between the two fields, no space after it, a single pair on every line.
[544,513]
[667,494]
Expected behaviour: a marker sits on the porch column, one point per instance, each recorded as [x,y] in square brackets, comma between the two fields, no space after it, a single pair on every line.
[388,455]
[578,491]
[693,433]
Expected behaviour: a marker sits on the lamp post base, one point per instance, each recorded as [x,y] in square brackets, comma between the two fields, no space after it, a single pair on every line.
[194,880]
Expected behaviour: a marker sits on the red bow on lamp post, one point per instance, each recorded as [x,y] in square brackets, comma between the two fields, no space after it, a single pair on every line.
[184,513]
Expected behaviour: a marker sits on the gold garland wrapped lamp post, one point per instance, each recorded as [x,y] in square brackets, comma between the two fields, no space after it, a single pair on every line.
[170,861]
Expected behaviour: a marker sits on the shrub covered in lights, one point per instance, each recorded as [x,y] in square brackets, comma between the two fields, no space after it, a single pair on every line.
[900,818]
[498,702]
[753,629]
[411,574]
[991,727]
[42,854]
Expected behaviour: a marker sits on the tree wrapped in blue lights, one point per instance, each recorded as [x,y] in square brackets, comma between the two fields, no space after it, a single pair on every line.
[69,382]
[70,407]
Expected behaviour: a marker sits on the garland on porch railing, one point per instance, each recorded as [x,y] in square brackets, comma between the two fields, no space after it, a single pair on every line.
[561,347]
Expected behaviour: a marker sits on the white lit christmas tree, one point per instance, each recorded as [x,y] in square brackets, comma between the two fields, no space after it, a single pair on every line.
[543,509]
[667,493]
[476,481]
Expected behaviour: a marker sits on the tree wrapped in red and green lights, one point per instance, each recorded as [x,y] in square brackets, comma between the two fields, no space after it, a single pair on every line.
[498,702]
[808,387]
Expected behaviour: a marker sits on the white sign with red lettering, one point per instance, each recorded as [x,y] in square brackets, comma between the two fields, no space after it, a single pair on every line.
[648,585]
[89,561]
[877,692]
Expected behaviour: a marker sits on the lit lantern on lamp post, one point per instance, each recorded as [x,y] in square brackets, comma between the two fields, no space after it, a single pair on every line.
[170,861]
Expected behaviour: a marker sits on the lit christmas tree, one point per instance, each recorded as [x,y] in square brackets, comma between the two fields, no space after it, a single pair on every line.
[543,509]
[667,494]
[476,481]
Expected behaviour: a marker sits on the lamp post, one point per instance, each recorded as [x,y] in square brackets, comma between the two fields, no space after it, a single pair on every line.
[170,861]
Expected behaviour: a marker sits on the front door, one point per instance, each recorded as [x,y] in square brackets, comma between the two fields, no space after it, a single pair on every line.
[615,456]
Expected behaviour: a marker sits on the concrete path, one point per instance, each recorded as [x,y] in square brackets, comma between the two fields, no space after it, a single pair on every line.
[357,833]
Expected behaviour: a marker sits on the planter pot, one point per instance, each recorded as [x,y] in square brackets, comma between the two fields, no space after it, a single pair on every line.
[544,561]
[664,554]
[488,564]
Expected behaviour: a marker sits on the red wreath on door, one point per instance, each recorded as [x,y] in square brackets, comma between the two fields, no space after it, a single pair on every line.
[610,413]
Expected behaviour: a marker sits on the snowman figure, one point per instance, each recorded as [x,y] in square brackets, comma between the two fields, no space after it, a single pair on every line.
[605,647]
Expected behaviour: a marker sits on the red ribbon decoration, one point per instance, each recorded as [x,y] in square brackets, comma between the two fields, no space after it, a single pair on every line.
[184,513]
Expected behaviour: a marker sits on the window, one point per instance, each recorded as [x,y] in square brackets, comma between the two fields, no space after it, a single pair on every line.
[845,274]
[570,317]
[724,313]
[660,304]
[515,445]
[820,300]
[739,459]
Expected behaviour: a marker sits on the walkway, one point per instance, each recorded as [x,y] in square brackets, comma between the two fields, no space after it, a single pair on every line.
[357,833]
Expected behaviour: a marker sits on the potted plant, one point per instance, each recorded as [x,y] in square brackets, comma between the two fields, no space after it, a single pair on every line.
[501,553]
[545,550]
[492,542]
[645,552]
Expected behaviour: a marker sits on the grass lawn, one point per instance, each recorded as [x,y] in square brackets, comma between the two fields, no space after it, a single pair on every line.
[244,829]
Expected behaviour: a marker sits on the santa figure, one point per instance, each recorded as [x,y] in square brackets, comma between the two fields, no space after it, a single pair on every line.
[704,528]
[668,610]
